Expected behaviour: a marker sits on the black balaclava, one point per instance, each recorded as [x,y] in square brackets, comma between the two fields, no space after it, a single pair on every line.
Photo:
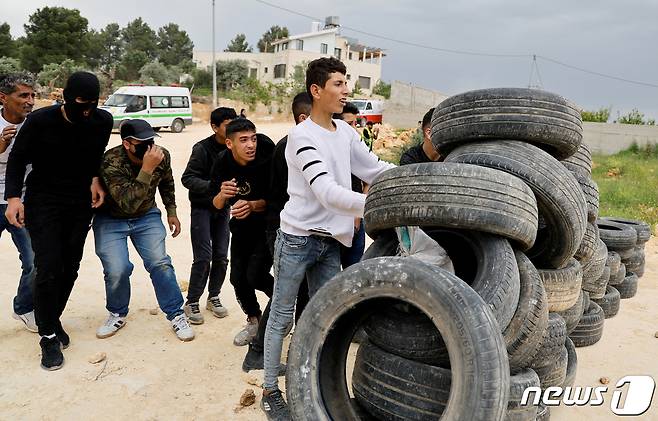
[83,85]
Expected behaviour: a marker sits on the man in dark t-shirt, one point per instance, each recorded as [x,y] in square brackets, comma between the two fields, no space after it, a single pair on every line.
[240,178]
[425,152]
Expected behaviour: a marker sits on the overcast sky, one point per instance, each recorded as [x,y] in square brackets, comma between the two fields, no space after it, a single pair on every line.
[618,38]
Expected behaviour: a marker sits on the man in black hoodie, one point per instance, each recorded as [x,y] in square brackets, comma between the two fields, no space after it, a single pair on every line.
[209,226]
[240,179]
[65,145]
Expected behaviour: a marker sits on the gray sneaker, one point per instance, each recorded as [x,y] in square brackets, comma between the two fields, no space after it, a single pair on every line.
[111,326]
[182,328]
[193,313]
[247,334]
[214,305]
[28,320]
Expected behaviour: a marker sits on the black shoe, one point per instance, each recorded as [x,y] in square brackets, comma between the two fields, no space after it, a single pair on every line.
[274,406]
[62,336]
[254,360]
[51,354]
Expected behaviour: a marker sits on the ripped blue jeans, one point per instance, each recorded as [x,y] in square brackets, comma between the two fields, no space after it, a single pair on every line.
[147,233]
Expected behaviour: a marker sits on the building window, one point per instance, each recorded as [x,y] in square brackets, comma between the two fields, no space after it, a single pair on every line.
[265,70]
[337,52]
[348,76]
[279,71]
[253,73]
[350,56]
[323,48]
[300,44]
[284,46]
[364,82]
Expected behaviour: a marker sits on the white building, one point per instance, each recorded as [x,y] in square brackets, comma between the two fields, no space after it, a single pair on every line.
[364,64]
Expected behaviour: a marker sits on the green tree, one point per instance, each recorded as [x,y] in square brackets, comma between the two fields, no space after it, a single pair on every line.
[7,43]
[156,73]
[140,47]
[382,88]
[274,33]
[635,117]
[357,89]
[600,116]
[9,65]
[239,44]
[52,35]
[232,74]
[131,62]
[175,46]
[111,45]
[54,75]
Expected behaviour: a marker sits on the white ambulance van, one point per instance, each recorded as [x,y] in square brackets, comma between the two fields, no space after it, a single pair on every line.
[161,106]
[369,110]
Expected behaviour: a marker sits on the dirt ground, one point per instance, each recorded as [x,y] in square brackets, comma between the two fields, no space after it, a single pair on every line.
[151,375]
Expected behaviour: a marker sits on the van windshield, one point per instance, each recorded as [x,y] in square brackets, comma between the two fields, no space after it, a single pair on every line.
[361,105]
[118,100]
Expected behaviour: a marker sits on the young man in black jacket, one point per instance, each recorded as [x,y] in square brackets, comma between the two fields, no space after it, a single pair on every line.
[209,226]
[425,152]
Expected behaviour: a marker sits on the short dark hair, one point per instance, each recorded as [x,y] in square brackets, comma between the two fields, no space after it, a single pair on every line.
[427,118]
[219,115]
[319,70]
[349,108]
[301,104]
[10,82]
[239,125]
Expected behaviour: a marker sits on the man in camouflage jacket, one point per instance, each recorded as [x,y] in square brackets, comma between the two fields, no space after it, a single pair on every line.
[131,174]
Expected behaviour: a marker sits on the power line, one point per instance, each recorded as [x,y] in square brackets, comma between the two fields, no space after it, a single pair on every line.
[464,52]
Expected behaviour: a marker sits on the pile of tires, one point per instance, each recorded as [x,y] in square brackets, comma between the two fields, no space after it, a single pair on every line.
[513,210]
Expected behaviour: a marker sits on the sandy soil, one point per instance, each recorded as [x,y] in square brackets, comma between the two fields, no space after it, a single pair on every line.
[150,375]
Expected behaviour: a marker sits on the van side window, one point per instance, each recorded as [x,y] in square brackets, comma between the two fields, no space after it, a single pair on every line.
[179,102]
[160,102]
[369,106]
[137,104]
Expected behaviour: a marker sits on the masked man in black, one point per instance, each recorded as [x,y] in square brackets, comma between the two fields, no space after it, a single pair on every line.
[65,145]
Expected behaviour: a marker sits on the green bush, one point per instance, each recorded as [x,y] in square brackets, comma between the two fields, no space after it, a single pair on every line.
[635,117]
[382,88]
[600,116]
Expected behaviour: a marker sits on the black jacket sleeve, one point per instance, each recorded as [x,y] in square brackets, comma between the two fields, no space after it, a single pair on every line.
[195,177]
[18,159]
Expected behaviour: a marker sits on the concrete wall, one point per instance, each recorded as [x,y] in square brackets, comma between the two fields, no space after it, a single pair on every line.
[608,139]
[408,104]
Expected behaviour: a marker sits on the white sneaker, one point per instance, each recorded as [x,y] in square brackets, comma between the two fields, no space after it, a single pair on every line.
[247,334]
[182,328]
[113,323]
[28,319]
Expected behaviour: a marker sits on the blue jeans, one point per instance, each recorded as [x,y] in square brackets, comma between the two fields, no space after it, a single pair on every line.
[23,301]
[352,255]
[147,234]
[317,258]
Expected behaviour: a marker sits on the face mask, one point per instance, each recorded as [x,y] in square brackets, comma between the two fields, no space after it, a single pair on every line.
[81,85]
[141,148]
[76,111]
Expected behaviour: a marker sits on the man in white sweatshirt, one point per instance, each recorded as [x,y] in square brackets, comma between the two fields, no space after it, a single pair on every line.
[321,155]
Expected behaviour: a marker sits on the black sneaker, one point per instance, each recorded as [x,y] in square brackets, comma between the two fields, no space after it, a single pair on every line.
[274,406]
[254,360]
[62,336]
[51,354]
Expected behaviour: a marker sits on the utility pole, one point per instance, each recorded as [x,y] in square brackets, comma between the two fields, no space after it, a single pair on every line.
[214,62]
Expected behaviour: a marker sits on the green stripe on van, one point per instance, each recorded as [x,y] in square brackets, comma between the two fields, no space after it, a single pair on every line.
[121,117]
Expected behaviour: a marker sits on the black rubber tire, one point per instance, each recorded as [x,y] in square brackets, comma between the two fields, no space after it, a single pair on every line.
[562,285]
[572,363]
[393,388]
[619,276]
[586,302]
[642,228]
[581,161]
[573,314]
[552,342]
[588,244]
[628,288]
[543,413]
[590,329]
[315,379]
[594,268]
[545,119]
[524,334]
[626,254]
[613,262]
[591,191]
[610,302]
[554,373]
[485,262]
[519,382]
[597,288]
[177,126]
[452,196]
[560,201]
[635,263]
[409,334]
[616,236]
